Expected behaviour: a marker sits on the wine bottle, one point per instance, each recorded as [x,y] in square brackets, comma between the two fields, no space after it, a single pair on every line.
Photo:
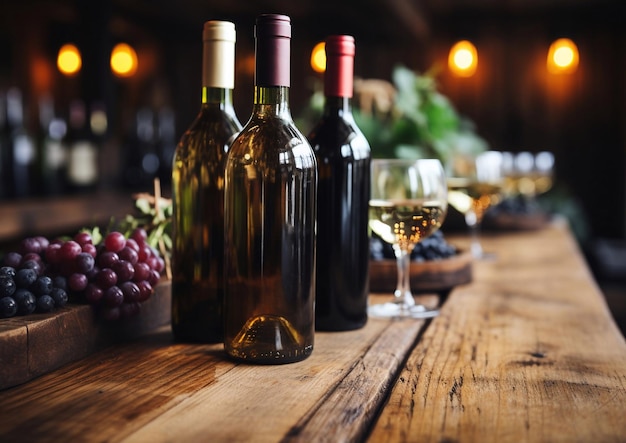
[271,180]
[82,161]
[21,150]
[343,159]
[51,148]
[198,195]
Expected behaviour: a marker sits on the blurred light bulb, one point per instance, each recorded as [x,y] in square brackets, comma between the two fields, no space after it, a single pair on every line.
[69,60]
[123,60]
[562,57]
[318,57]
[463,59]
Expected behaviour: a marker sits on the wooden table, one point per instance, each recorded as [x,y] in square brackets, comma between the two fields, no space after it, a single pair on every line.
[526,352]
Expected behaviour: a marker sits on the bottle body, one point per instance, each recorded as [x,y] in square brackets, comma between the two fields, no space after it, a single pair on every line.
[271,179]
[343,158]
[198,175]
[82,161]
[342,269]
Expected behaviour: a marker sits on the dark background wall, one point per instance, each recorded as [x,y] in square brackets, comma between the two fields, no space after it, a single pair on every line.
[514,102]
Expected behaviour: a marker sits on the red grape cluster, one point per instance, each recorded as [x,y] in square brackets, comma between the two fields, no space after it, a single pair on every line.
[115,276]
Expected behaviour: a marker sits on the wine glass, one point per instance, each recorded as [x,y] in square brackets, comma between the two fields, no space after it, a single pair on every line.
[408,203]
[534,173]
[474,185]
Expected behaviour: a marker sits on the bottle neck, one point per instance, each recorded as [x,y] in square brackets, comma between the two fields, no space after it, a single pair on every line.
[271,100]
[338,106]
[217,96]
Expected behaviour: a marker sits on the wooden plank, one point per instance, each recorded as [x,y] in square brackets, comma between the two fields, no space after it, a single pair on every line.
[156,390]
[39,343]
[528,352]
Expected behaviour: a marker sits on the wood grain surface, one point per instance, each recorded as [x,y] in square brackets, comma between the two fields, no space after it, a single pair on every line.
[527,353]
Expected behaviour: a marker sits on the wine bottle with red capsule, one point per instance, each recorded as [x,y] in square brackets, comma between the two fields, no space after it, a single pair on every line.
[343,159]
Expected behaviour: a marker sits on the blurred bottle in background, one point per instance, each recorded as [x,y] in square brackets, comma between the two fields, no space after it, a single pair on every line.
[51,150]
[19,174]
[82,161]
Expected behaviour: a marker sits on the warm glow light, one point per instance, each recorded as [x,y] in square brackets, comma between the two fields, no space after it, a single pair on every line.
[69,60]
[562,57]
[123,60]
[463,59]
[318,57]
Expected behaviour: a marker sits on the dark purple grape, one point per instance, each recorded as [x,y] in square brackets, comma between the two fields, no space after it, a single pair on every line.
[45,303]
[26,301]
[84,262]
[142,272]
[91,275]
[53,253]
[124,270]
[83,238]
[90,249]
[113,296]
[144,253]
[7,271]
[129,254]
[132,244]
[107,258]
[69,250]
[43,242]
[110,314]
[30,244]
[131,292]
[42,286]
[59,281]
[25,277]
[145,289]
[154,277]
[77,282]
[114,241]
[140,236]
[106,278]
[93,294]
[34,265]
[8,307]
[34,256]
[13,259]
[7,286]
[128,310]
[59,295]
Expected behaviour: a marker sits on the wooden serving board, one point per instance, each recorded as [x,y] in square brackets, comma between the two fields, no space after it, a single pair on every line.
[36,344]
[436,276]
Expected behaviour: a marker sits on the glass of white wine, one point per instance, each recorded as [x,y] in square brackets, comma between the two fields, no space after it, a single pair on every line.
[408,203]
[533,173]
[474,185]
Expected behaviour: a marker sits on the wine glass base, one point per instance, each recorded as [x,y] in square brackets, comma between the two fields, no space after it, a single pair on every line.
[399,310]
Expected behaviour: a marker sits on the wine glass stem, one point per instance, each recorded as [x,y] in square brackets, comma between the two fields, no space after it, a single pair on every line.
[403,293]
[472,221]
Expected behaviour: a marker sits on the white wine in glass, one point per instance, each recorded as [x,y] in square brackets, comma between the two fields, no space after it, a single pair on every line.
[408,203]
[474,188]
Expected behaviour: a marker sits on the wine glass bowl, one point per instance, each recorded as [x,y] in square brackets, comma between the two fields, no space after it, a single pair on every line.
[408,203]
[474,185]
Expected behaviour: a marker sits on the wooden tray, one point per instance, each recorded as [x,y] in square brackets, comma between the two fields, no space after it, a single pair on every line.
[35,344]
[436,276]
[516,222]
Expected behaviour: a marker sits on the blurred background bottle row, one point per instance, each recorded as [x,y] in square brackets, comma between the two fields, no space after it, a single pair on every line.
[50,150]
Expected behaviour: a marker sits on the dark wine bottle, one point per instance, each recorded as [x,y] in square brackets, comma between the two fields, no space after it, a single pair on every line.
[343,159]
[198,195]
[82,162]
[271,180]
[21,162]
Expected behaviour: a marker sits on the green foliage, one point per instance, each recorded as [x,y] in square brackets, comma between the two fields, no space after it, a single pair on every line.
[422,123]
